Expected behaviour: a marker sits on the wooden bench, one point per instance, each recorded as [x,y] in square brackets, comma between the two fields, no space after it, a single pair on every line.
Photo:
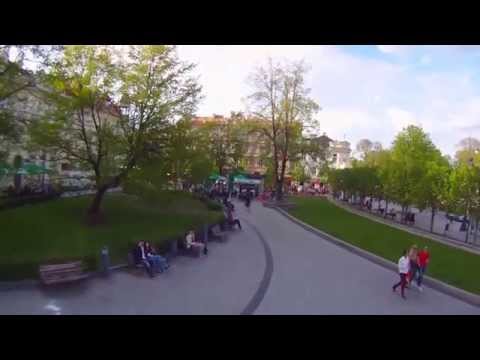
[217,234]
[60,273]
[131,261]
[391,214]
[194,250]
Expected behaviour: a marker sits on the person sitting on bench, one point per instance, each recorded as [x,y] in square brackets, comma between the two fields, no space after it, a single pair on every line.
[190,240]
[158,262]
[231,221]
[140,256]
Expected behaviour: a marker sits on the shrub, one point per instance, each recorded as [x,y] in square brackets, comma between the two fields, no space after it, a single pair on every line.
[13,202]
[213,205]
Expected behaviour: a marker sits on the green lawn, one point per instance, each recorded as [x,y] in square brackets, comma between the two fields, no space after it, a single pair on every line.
[454,266]
[35,234]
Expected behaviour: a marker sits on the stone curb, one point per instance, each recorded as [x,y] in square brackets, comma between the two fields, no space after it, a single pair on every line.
[460,294]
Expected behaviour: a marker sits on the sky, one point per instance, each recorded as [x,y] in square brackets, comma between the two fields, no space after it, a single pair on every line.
[364,91]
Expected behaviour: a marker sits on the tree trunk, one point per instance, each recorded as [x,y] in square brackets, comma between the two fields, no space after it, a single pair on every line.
[467,230]
[17,182]
[386,209]
[94,214]
[476,231]
[279,190]
[432,220]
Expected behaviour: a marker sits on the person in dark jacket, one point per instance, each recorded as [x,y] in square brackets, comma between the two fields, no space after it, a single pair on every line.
[140,255]
[247,200]
[230,219]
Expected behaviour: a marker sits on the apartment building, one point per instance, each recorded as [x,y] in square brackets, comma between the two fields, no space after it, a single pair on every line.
[28,105]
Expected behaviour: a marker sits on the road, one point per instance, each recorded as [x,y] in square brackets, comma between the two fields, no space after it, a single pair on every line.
[272,266]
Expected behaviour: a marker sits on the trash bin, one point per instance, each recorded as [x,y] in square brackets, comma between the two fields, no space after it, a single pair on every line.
[105,261]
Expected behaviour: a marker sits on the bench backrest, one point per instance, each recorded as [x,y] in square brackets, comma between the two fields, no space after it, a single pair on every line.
[76,265]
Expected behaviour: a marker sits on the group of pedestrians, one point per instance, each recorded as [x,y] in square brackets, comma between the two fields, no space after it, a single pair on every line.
[411,268]
[146,255]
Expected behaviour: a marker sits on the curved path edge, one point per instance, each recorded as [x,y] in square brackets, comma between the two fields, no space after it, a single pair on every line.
[461,294]
[257,298]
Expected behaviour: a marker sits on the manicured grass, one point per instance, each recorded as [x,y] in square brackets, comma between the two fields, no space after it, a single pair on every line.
[453,266]
[35,234]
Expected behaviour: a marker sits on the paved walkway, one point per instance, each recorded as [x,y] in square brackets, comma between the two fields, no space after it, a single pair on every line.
[223,282]
[273,266]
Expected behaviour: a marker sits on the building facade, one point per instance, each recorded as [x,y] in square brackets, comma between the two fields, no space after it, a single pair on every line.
[28,105]
[338,156]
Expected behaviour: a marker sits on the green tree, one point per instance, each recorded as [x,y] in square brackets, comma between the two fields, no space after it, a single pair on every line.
[226,141]
[464,192]
[185,156]
[151,85]
[410,155]
[298,173]
[215,135]
[433,188]
[280,100]
[380,161]
[468,151]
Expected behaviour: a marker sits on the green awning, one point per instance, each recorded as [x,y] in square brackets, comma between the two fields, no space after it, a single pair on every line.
[5,169]
[32,169]
[245,180]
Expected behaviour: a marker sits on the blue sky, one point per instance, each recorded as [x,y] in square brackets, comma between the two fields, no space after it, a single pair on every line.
[370,91]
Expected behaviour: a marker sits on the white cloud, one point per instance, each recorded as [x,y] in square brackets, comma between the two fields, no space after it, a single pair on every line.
[401,118]
[361,97]
[393,49]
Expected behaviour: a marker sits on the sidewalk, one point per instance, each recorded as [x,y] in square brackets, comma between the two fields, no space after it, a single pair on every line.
[216,284]
[412,230]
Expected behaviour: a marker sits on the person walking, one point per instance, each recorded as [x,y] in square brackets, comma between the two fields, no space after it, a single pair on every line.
[247,201]
[413,256]
[423,260]
[403,268]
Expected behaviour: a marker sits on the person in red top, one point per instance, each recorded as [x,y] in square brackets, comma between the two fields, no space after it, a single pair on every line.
[423,259]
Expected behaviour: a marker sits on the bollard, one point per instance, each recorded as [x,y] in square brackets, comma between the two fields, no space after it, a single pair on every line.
[105,261]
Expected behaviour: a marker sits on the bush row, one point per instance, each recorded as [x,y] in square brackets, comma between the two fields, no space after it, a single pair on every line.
[13,202]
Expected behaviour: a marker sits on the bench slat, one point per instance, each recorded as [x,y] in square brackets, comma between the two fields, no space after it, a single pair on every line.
[60,273]
[76,264]
[65,279]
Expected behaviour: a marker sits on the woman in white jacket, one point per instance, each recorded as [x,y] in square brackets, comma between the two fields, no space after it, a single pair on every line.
[403,269]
